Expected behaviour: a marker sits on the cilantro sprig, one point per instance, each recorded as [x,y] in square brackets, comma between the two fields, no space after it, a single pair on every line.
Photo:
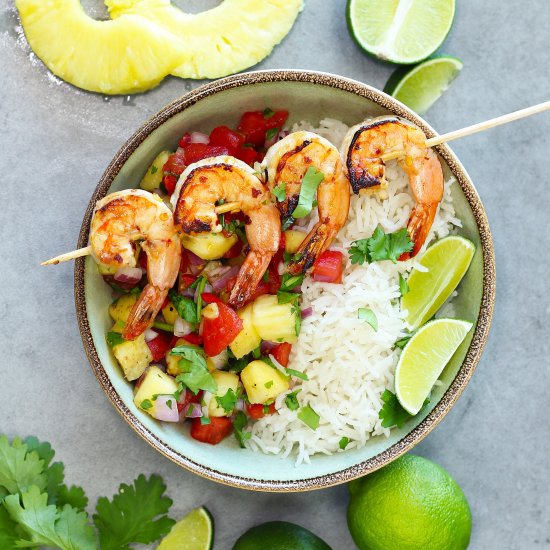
[185,307]
[381,246]
[194,373]
[392,413]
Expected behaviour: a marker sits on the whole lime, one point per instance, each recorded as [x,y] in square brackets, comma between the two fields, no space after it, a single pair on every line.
[279,535]
[411,504]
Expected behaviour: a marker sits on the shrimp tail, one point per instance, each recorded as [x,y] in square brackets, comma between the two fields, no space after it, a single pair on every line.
[317,241]
[250,274]
[420,223]
[145,310]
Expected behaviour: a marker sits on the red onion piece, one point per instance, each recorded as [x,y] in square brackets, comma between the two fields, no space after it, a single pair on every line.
[219,284]
[181,327]
[188,292]
[194,410]
[165,408]
[306,312]
[128,275]
[195,263]
[199,137]
[240,405]
[322,278]
[267,347]
[150,334]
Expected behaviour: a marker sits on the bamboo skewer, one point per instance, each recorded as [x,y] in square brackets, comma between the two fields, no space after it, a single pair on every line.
[475,128]
[450,136]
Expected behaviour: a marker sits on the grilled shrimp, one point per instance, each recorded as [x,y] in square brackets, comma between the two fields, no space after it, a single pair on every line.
[121,219]
[362,148]
[208,181]
[286,162]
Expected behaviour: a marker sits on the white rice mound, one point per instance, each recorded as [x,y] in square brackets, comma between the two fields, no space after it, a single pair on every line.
[349,365]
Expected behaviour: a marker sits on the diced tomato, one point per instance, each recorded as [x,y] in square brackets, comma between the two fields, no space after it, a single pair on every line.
[254,125]
[224,136]
[193,339]
[246,154]
[185,140]
[257,411]
[282,244]
[261,289]
[218,333]
[218,429]
[169,182]
[328,267]
[210,298]
[273,278]
[189,397]
[198,151]
[165,303]
[142,260]
[281,352]
[175,164]
[186,281]
[235,250]
[160,345]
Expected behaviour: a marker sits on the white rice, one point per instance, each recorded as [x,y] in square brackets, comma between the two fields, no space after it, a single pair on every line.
[349,365]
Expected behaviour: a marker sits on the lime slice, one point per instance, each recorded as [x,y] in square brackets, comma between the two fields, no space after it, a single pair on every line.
[194,532]
[447,261]
[423,359]
[400,31]
[420,87]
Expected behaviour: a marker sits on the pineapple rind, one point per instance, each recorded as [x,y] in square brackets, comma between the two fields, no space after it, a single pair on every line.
[127,55]
[229,38]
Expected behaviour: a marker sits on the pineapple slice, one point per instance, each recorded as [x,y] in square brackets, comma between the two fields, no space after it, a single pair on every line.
[224,40]
[209,246]
[262,382]
[128,55]
[273,321]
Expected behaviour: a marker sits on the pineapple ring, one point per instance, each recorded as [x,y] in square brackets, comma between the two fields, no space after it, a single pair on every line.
[224,40]
[128,55]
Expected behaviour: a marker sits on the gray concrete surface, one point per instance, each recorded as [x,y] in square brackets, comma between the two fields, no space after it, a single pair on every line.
[55,143]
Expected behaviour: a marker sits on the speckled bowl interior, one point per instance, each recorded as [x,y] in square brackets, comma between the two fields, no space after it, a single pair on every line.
[308,96]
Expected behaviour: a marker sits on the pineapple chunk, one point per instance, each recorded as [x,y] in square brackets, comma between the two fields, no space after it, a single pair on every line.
[248,339]
[133,356]
[153,176]
[209,246]
[224,40]
[128,55]
[274,321]
[106,269]
[262,382]
[154,383]
[293,240]
[169,313]
[225,381]
[121,307]
[172,361]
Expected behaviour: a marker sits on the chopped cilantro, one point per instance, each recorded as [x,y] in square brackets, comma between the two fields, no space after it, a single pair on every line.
[286,222]
[297,318]
[297,374]
[402,342]
[163,326]
[114,338]
[228,401]
[280,192]
[205,420]
[257,352]
[239,424]
[311,180]
[392,413]
[236,365]
[268,113]
[154,169]
[381,246]
[291,400]
[366,314]
[184,306]
[287,256]
[284,297]
[343,443]
[194,372]
[288,281]
[169,403]
[146,404]
[309,417]
[200,287]
[271,133]
[268,384]
[403,285]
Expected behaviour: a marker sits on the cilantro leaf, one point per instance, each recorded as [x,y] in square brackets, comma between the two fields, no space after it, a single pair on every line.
[185,307]
[311,180]
[291,400]
[284,297]
[114,338]
[239,424]
[280,192]
[403,285]
[45,525]
[10,532]
[154,169]
[366,314]
[268,113]
[200,289]
[137,513]
[20,469]
[309,417]
[288,281]
[343,443]
[286,222]
[392,413]
[271,133]
[402,342]
[194,372]
[73,496]
[381,246]
[297,374]
[228,401]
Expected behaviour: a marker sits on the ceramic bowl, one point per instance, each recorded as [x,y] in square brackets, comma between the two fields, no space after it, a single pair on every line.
[308,96]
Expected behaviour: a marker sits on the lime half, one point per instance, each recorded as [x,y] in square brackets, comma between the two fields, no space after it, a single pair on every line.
[420,87]
[400,31]
[447,261]
[423,359]
[194,532]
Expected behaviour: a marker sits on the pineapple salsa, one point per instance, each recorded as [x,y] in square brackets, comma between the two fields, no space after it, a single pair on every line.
[202,360]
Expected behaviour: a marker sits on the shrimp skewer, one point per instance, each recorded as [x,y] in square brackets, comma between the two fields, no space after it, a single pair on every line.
[204,183]
[366,143]
[286,163]
[119,220]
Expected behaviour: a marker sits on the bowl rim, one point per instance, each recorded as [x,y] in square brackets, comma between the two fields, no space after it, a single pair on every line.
[473,354]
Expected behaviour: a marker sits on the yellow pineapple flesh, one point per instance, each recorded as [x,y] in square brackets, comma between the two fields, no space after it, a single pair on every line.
[224,40]
[127,55]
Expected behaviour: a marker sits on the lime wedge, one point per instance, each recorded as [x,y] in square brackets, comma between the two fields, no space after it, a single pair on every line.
[400,31]
[423,359]
[447,261]
[194,532]
[420,87]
